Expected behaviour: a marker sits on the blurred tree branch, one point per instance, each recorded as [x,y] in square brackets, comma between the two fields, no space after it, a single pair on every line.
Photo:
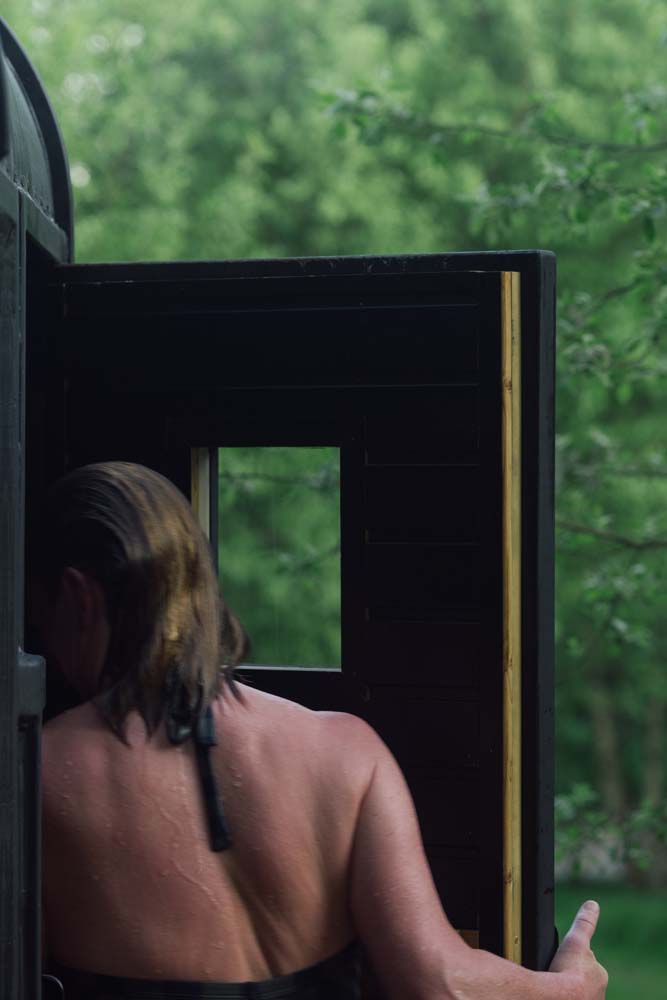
[611,536]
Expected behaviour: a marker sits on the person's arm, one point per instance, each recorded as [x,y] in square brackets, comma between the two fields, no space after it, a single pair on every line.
[414,949]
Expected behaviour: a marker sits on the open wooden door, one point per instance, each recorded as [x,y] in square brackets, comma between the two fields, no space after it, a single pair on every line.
[433,376]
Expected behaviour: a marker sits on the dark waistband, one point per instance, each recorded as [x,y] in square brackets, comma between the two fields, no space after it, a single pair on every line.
[335,978]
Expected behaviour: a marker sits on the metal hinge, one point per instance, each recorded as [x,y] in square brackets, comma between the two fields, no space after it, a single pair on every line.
[31,687]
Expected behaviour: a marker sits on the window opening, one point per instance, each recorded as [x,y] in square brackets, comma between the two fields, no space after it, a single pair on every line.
[279,551]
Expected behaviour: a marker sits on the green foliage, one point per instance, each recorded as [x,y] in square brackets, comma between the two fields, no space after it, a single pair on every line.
[279,544]
[583,827]
[254,128]
[558,149]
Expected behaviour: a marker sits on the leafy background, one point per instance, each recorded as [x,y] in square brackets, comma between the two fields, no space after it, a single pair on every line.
[251,128]
[279,551]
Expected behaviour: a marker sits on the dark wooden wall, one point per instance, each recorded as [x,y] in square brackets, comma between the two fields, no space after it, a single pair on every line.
[397,362]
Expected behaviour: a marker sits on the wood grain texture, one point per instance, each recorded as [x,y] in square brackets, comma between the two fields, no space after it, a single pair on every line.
[511,457]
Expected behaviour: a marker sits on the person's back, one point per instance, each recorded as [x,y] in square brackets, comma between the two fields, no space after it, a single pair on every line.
[126,839]
[145,893]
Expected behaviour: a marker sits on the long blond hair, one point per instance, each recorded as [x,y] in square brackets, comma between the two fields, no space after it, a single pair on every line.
[136,534]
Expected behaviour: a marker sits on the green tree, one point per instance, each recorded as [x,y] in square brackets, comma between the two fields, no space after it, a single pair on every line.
[571,159]
[254,128]
[279,545]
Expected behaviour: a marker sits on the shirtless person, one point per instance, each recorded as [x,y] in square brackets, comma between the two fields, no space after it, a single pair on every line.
[174,868]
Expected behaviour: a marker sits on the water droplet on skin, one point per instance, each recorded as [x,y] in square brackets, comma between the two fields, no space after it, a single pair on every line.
[69,763]
[163,874]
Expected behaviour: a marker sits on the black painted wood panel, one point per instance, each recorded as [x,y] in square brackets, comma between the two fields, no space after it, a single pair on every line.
[397,363]
[11,557]
[411,578]
[423,504]
[427,727]
[128,379]
[443,654]
[443,428]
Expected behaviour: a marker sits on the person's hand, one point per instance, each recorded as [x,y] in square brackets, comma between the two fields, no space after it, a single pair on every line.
[576,958]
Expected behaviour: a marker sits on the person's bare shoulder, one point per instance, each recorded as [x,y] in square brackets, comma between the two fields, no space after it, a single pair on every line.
[353,751]
[339,726]
[338,739]
[352,735]
[261,713]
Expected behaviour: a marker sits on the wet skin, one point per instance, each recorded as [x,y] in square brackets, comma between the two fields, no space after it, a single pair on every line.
[131,886]
[326,848]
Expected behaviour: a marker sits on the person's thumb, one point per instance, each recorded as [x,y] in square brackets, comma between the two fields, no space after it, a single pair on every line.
[585,922]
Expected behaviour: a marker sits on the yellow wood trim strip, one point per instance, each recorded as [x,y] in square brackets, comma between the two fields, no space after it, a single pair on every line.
[511,465]
[199,487]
